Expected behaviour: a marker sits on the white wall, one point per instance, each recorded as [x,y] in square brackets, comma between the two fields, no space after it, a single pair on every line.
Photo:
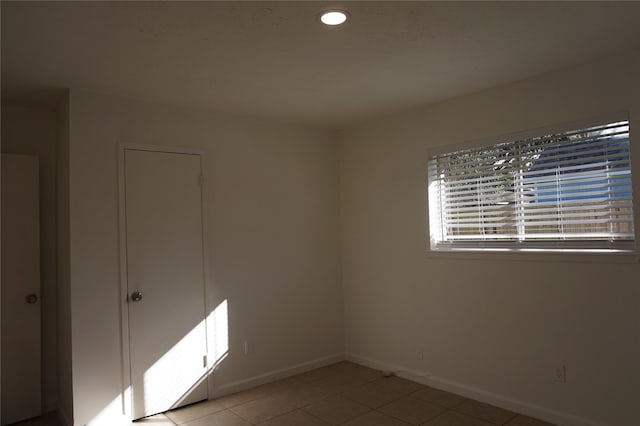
[272,202]
[64,367]
[33,131]
[492,326]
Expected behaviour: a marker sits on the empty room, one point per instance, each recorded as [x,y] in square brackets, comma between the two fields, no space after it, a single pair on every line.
[369,213]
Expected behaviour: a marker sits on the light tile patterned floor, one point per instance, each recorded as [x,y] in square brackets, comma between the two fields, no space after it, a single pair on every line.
[339,394]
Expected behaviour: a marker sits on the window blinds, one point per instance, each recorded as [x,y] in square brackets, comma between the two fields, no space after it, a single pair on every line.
[569,190]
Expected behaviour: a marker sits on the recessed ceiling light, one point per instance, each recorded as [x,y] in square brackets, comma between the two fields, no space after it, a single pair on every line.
[333,17]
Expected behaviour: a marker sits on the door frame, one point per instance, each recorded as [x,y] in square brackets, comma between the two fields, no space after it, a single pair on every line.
[127,391]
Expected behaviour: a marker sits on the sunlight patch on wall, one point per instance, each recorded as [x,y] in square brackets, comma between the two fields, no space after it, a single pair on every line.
[218,333]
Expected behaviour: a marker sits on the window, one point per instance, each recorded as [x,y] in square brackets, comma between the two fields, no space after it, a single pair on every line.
[560,191]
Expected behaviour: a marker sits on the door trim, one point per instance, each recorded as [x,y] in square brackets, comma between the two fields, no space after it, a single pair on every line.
[127,394]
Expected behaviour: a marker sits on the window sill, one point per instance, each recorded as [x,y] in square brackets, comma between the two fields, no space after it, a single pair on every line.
[544,256]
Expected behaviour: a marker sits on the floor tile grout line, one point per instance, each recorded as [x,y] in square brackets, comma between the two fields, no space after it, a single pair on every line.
[390,415]
[314,416]
[438,415]
[194,418]
[484,419]
[511,418]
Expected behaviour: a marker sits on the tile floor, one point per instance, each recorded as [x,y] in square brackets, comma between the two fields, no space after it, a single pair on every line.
[48,419]
[339,394]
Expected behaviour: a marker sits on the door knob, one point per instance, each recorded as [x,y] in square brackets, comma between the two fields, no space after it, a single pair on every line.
[136,296]
[31,298]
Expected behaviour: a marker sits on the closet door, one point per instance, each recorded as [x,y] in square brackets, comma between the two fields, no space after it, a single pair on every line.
[165,279]
[20,289]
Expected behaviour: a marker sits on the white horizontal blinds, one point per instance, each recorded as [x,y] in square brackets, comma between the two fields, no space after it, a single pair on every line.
[570,189]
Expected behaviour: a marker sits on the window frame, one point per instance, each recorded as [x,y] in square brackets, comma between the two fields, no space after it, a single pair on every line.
[565,248]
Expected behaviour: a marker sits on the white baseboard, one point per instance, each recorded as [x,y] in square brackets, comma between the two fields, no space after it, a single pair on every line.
[413,375]
[557,417]
[271,376]
[552,416]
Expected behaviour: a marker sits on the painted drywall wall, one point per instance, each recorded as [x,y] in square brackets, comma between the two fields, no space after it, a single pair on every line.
[272,229]
[64,369]
[492,326]
[33,131]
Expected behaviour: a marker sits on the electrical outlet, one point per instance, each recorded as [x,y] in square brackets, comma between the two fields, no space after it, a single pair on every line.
[561,374]
[420,353]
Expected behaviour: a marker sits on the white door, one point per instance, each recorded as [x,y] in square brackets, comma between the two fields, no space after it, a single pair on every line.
[165,279]
[20,289]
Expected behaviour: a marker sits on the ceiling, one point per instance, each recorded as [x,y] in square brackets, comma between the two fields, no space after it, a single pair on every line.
[275,60]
